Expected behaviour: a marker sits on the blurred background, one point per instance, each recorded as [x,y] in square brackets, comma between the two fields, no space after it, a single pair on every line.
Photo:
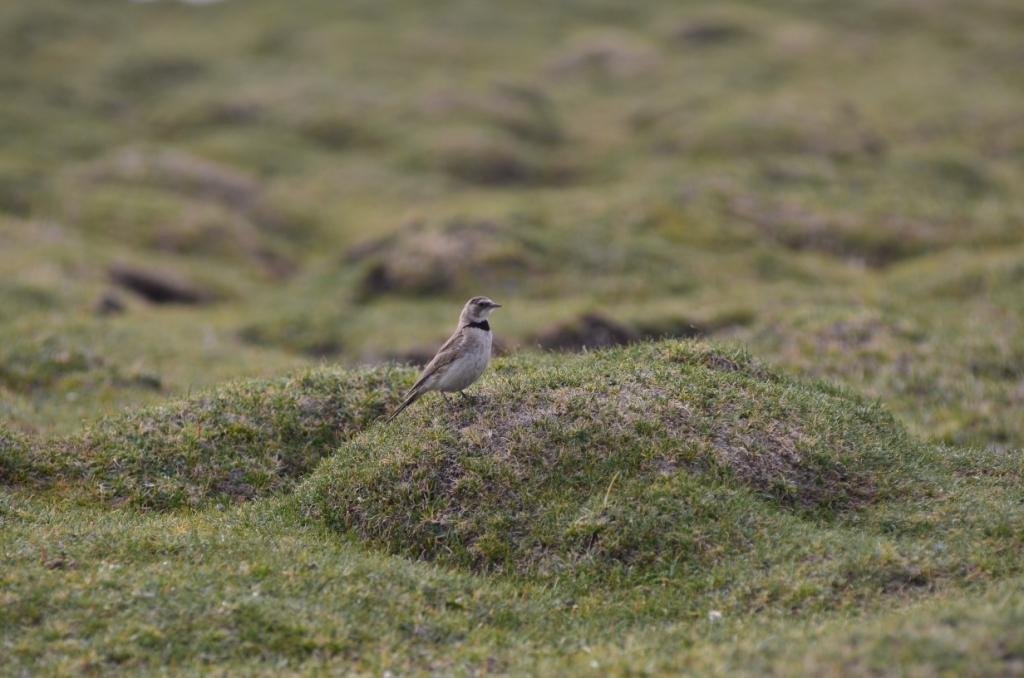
[192,192]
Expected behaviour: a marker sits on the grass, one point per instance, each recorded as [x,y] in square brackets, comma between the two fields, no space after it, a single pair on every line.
[120,591]
[220,224]
[442,544]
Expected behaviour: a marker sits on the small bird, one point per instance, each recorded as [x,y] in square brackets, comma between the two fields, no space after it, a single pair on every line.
[462,359]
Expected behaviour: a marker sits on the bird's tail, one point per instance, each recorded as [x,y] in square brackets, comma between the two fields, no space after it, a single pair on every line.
[412,397]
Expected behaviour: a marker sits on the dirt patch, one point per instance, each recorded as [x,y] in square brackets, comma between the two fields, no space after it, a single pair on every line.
[708,33]
[159,287]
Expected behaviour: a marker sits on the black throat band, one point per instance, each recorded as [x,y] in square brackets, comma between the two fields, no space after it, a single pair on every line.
[482,325]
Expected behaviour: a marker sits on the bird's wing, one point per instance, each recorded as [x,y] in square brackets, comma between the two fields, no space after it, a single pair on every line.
[446,355]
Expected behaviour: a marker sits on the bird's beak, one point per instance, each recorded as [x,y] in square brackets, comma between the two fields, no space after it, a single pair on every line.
[494,305]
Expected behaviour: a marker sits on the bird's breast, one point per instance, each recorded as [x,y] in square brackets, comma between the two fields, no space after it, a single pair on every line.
[470,365]
[479,338]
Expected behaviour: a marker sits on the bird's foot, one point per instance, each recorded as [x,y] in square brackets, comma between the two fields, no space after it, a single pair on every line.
[467,398]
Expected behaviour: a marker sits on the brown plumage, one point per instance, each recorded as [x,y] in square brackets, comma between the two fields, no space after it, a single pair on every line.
[462,359]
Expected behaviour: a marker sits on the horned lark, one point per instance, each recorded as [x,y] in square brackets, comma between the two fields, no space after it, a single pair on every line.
[462,359]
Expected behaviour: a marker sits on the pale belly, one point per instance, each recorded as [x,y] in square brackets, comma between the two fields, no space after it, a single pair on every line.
[468,368]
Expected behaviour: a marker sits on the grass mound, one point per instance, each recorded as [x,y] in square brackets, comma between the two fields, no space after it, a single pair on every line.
[37,359]
[994,274]
[641,458]
[161,199]
[245,440]
[455,255]
[484,159]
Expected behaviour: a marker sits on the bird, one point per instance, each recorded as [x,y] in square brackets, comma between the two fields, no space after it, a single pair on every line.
[461,360]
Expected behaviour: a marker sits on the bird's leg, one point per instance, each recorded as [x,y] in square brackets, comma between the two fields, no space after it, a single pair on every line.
[466,397]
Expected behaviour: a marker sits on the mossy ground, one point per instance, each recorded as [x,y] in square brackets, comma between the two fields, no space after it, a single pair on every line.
[838,188]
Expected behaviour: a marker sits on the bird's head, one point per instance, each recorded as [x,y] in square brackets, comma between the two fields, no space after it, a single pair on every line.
[477,309]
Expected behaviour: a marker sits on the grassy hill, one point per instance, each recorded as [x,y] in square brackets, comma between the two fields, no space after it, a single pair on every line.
[759,410]
[661,507]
